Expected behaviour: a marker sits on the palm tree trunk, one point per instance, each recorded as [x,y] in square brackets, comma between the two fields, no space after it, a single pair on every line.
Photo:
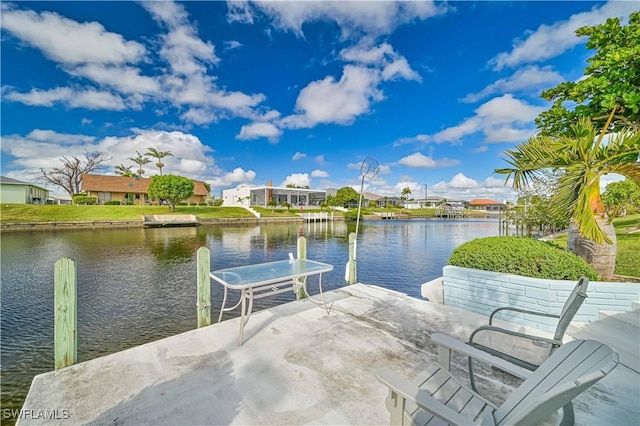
[601,256]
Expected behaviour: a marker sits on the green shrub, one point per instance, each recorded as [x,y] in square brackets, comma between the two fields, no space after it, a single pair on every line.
[203,204]
[83,199]
[182,203]
[521,256]
[112,203]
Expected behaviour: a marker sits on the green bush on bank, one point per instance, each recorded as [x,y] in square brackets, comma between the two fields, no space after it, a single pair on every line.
[83,199]
[521,256]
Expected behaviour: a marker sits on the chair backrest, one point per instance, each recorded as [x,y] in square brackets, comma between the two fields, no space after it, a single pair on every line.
[571,306]
[569,371]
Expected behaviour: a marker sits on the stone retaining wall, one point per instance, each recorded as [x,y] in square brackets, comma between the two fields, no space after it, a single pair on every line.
[483,291]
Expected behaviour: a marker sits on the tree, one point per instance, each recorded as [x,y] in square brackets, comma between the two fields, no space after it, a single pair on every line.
[272,203]
[584,159]
[611,78]
[69,176]
[293,185]
[621,197]
[159,155]
[345,196]
[140,160]
[171,188]
[406,191]
[123,170]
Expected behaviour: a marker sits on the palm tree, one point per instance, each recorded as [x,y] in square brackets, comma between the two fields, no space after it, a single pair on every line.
[406,191]
[583,160]
[123,170]
[140,160]
[152,152]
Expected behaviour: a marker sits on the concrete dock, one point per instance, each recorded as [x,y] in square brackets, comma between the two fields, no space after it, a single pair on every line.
[297,365]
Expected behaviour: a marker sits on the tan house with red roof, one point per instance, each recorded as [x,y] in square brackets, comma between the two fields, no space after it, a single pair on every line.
[123,188]
[486,204]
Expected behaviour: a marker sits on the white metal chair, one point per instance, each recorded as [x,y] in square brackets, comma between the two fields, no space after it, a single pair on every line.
[436,397]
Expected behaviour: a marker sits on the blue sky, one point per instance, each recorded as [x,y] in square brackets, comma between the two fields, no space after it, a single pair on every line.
[289,92]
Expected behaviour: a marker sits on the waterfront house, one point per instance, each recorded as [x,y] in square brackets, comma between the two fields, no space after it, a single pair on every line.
[486,204]
[132,190]
[248,196]
[13,191]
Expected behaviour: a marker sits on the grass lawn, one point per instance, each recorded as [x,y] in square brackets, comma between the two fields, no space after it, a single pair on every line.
[12,213]
[628,258]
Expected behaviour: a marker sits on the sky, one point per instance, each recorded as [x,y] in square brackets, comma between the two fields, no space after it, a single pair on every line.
[289,92]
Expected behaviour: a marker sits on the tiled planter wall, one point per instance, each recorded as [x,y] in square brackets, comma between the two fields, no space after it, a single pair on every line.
[483,291]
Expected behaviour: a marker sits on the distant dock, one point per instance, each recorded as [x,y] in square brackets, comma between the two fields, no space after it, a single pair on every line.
[316,217]
[169,220]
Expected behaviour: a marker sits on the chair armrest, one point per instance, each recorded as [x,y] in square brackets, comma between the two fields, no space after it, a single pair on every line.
[447,344]
[514,333]
[524,311]
[409,391]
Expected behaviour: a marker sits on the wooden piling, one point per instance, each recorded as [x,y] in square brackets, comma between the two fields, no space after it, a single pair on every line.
[204,287]
[66,313]
[353,268]
[302,254]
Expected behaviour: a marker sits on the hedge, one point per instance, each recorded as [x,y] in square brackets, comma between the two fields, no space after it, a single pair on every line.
[83,199]
[112,203]
[521,256]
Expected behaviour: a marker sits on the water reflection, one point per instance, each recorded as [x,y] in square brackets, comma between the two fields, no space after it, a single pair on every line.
[139,285]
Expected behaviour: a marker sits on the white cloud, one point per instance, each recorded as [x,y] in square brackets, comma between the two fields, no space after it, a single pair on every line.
[298,156]
[57,37]
[124,79]
[480,149]
[330,101]
[353,17]
[502,119]
[299,179]
[341,102]
[461,187]
[382,57]
[549,41]
[259,130]
[232,44]
[319,159]
[319,174]
[236,177]
[419,160]
[525,79]
[89,98]
[59,138]
[461,181]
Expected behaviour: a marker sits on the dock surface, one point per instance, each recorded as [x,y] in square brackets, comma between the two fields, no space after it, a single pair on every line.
[297,365]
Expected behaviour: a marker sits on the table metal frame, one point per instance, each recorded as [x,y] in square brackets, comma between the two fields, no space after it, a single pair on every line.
[272,280]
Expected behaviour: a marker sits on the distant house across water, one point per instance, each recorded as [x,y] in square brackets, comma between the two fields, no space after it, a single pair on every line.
[247,196]
[127,189]
[486,204]
[13,191]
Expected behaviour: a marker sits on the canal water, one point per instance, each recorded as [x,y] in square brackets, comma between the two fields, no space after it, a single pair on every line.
[139,285]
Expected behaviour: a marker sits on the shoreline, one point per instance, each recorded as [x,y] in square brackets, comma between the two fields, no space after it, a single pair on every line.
[103,224]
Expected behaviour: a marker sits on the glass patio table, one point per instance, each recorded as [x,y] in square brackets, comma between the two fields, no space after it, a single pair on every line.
[268,279]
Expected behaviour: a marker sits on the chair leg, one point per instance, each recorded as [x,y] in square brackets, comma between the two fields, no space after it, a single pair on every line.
[471,378]
[567,415]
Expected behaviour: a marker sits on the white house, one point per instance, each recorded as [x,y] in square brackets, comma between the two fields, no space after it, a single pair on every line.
[247,196]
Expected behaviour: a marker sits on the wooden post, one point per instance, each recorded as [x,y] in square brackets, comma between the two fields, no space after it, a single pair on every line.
[353,268]
[204,287]
[302,254]
[66,313]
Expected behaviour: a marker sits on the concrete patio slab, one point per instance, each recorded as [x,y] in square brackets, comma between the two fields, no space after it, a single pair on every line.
[297,366]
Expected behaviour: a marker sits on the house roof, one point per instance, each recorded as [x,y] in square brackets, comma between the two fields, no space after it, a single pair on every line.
[106,183]
[371,196]
[483,201]
[10,181]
